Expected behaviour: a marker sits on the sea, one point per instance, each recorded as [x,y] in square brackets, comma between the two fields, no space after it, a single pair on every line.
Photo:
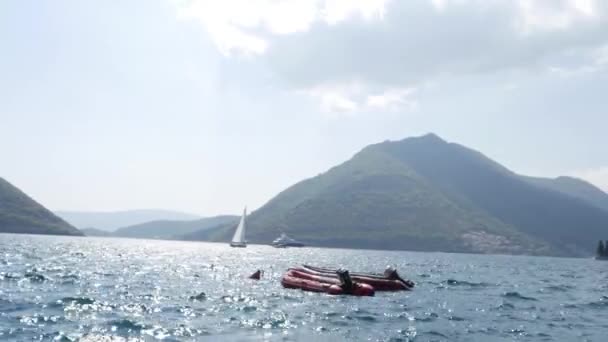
[104,289]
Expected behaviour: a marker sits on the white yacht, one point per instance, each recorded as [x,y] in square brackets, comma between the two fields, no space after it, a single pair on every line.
[286,241]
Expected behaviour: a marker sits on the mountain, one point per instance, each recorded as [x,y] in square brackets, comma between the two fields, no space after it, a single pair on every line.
[573,187]
[167,229]
[110,221]
[95,232]
[427,194]
[21,214]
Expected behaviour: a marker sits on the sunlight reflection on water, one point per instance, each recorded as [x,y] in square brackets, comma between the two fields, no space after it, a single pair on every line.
[98,289]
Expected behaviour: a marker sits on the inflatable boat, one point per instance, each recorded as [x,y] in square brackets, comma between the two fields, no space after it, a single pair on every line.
[295,279]
[390,281]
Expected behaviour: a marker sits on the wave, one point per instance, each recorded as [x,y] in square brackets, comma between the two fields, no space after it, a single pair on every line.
[70,276]
[362,315]
[69,279]
[517,331]
[517,295]
[434,334]
[199,297]
[126,324]
[505,306]
[39,318]
[364,318]
[248,308]
[454,282]
[275,320]
[77,300]
[7,306]
[428,317]
[600,304]
[9,276]
[35,277]
[559,288]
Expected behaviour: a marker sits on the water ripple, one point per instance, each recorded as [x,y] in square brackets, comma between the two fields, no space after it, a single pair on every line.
[517,296]
[86,289]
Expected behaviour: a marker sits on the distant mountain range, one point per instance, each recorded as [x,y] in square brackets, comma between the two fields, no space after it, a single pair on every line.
[110,221]
[96,232]
[419,193]
[427,194]
[21,214]
[573,187]
[167,229]
[149,224]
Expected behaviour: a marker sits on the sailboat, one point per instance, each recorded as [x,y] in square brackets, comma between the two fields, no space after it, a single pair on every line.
[238,240]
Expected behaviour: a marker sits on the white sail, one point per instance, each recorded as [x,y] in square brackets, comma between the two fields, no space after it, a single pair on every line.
[238,240]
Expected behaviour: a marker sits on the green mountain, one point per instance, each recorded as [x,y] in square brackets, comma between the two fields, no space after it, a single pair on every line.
[169,229]
[426,194]
[112,220]
[21,214]
[573,187]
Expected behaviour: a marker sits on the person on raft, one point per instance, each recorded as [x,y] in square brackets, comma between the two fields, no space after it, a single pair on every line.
[391,273]
[346,283]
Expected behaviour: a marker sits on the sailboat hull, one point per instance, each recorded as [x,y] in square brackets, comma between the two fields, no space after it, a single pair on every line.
[238,244]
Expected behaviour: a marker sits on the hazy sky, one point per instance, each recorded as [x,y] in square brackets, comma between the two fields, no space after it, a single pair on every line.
[205,106]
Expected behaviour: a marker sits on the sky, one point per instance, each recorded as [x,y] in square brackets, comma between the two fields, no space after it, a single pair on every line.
[207,106]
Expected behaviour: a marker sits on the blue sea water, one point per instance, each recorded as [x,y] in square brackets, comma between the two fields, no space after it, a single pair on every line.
[102,289]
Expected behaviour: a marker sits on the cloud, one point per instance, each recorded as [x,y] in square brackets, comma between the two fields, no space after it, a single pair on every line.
[594,60]
[335,98]
[323,47]
[243,26]
[548,15]
[393,99]
[343,99]
[415,42]
[597,176]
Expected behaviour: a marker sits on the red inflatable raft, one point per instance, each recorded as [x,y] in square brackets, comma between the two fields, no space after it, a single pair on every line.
[295,279]
[390,282]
